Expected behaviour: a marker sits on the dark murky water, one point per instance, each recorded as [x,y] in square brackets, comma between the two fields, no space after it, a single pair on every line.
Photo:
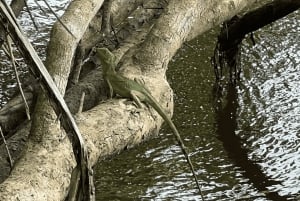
[244,146]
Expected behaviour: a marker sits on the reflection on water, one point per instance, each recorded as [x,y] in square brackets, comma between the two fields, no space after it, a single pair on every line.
[270,99]
[226,122]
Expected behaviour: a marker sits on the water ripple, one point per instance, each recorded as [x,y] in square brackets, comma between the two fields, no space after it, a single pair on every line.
[274,98]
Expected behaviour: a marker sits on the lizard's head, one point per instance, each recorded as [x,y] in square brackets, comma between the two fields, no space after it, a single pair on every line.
[104,56]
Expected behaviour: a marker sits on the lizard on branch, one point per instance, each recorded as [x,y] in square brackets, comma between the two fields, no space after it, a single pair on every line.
[135,90]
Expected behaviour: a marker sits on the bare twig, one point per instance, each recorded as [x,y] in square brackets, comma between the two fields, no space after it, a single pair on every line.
[52,11]
[106,25]
[188,45]
[40,7]
[78,63]
[81,103]
[31,16]
[6,52]
[11,162]
[8,40]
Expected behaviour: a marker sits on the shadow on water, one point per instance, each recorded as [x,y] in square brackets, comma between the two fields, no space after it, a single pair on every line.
[226,110]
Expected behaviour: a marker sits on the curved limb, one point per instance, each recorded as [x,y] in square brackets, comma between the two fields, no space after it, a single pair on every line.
[136,99]
[111,90]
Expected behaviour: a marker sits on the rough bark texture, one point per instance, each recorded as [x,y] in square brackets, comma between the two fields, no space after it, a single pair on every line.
[43,172]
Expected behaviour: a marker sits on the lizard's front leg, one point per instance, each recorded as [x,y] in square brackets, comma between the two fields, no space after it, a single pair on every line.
[111,91]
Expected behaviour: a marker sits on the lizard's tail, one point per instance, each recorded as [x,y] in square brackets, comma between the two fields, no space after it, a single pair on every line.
[164,115]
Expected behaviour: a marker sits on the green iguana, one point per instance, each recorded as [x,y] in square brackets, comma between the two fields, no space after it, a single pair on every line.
[132,89]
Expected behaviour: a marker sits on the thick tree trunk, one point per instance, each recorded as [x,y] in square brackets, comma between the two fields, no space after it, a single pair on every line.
[43,172]
[39,175]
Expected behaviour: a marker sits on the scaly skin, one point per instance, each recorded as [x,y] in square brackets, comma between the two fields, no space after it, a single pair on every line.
[131,89]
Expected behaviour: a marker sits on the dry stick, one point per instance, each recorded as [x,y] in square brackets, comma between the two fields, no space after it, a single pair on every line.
[52,11]
[188,45]
[30,15]
[6,52]
[105,26]
[78,63]
[11,162]
[40,7]
[17,76]
[81,103]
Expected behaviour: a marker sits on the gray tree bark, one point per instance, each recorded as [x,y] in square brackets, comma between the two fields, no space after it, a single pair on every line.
[44,168]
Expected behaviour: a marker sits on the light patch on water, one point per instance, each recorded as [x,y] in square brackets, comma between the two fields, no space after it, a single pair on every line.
[272,92]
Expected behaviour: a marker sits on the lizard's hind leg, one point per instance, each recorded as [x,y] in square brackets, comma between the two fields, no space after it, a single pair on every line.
[135,97]
[142,83]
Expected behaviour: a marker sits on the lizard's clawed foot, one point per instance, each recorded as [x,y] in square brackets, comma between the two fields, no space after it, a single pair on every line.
[139,81]
[139,110]
[139,106]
